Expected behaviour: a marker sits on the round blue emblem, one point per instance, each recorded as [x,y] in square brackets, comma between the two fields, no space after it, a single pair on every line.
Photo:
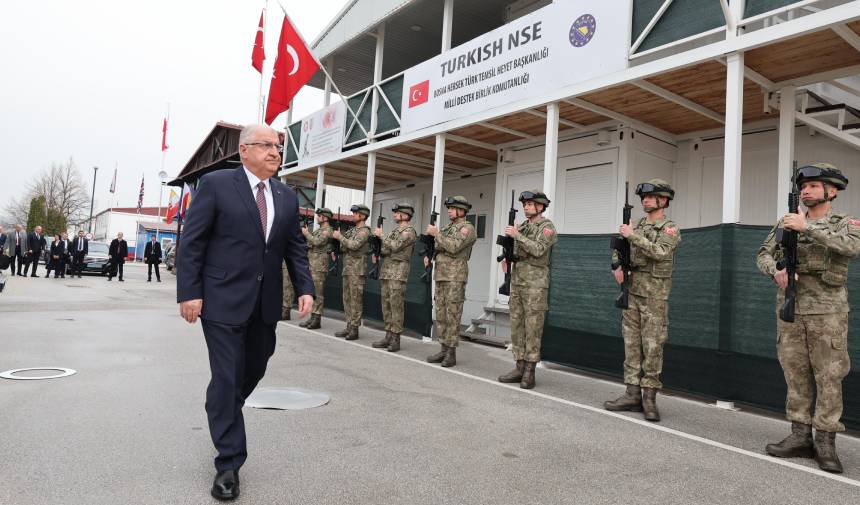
[582,30]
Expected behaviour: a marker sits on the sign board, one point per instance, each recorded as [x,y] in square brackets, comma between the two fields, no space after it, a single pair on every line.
[559,45]
[322,133]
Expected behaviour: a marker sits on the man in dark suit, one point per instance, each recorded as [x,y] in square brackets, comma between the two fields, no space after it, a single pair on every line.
[152,256]
[3,240]
[64,257]
[118,252]
[35,245]
[17,247]
[242,224]
[80,249]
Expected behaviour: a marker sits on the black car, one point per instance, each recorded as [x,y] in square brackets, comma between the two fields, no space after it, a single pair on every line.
[96,261]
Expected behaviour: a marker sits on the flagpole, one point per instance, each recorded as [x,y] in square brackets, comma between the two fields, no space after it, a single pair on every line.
[163,156]
[322,67]
[260,110]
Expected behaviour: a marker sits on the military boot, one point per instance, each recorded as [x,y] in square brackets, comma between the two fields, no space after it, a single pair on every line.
[382,344]
[344,332]
[394,344]
[825,452]
[353,333]
[631,400]
[314,322]
[439,356]
[514,375]
[649,404]
[450,358]
[528,380]
[796,445]
[306,322]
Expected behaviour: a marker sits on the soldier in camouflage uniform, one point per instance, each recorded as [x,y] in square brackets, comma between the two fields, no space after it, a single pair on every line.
[397,249]
[288,293]
[644,325]
[453,249]
[354,249]
[533,241]
[813,350]
[319,242]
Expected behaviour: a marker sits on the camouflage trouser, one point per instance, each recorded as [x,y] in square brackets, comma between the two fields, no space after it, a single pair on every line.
[644,327]
[353,299]
[449,310]
[289,293]
[319,287]
[813,352]
[528,310]
[393,304]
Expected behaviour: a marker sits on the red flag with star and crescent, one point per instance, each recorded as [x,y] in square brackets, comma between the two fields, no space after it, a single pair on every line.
[258,55]
[294,67]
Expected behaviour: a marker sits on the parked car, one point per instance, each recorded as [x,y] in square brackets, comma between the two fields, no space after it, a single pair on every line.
[96,261]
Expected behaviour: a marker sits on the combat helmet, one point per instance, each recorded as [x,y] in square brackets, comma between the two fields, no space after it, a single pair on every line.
[360,209]
[655,187]
[405,208]
[323,211]
[824,172]
[536,196]
[458,202]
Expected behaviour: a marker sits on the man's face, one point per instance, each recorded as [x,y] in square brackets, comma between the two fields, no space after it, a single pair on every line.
[321,219]
[39,230]
[813,192]
[119,235]
[452,212]
[260,154]
[532,209]
[65,236]
[152,239]
[18,227]
[81,234]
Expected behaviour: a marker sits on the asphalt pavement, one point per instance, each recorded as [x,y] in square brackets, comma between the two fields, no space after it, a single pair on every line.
[130,428]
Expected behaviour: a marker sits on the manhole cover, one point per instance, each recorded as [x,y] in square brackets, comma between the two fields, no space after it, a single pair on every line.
[286,399]
[30,376]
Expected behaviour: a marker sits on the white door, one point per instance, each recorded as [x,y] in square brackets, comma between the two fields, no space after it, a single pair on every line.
[585,202]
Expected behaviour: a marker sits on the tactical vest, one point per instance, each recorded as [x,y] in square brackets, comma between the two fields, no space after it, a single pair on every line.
[362,251]
[817,259]
[404,254]
[659,269]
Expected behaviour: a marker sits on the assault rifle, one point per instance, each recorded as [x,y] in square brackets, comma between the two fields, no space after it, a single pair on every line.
[622,246]
[376,248]
[335,249]
[507,255]
[787,240]
[429,242]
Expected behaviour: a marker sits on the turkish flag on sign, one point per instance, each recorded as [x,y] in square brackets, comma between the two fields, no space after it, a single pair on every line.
[294,67]
[258,55]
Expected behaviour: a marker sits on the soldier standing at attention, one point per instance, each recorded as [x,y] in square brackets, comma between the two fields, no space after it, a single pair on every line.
[318,252]
[397,249]
[354,248]
[453,249]
[813,350]
[644,325]
[533,241]
[287,305]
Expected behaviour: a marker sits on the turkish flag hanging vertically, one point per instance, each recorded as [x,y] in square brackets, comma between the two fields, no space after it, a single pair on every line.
[258,55]
[164,145]
[294,67]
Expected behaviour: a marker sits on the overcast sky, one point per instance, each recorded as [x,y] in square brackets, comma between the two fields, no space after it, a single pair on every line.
[91,80]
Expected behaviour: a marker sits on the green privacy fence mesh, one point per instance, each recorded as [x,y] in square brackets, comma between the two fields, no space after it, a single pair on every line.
[290,153]
[754,7]
[722,320]
[682,19]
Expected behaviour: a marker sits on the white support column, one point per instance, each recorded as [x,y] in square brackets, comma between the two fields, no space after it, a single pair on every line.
[787,114]
[550,162]
[447,24]
[374,120]
[733,138]
[625,156]
[438,172]
[320,187]
[371,176]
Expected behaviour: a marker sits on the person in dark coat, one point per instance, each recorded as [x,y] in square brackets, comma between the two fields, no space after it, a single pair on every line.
[17,243]
[118,252]
[152,256]
[80,249]
[55,254]
[35,245]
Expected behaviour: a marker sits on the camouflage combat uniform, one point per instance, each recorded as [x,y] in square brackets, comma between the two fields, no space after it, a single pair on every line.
[813,350]
[354,249]
[453,249]
[289,293]
[397,250]
[318,257]
[644,325]
[529,286]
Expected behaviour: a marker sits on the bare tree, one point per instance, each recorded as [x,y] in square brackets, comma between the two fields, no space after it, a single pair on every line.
[63,187]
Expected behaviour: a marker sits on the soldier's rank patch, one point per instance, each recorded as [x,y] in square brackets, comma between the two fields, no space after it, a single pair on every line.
[672,231]
[548,231]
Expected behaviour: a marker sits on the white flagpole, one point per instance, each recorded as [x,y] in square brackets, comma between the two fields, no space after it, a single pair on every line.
[260,107]
[322,67]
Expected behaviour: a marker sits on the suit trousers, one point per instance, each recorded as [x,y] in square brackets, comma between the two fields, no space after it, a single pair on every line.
[17,258]
[116,269]
[34,261]
[238,356]
[149,271]
[77,263]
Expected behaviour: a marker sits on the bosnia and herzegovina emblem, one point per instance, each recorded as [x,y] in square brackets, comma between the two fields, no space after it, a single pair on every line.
[582,30]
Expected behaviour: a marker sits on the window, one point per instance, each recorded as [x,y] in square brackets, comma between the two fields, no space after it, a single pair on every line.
[480,224]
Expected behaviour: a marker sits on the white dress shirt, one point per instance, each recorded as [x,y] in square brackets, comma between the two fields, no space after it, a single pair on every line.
[267,192]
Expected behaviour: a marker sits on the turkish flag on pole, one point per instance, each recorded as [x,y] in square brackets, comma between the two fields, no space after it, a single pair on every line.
[164,145]
[258,55]
[294,67]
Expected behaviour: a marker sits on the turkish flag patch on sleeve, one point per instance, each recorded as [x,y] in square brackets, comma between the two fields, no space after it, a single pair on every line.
[548,231]
[672,231]
[419,94]
[855,222]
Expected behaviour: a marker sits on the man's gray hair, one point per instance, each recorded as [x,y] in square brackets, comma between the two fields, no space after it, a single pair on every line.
[249,130]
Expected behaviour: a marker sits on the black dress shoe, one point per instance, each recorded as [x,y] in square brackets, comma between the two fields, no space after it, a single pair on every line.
[226,485]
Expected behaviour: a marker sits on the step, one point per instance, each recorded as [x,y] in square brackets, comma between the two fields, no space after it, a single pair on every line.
[479,321]
[497,310]
[477,332]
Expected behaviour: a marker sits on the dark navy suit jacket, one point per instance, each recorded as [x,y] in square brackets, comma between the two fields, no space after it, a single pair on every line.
[224,258]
